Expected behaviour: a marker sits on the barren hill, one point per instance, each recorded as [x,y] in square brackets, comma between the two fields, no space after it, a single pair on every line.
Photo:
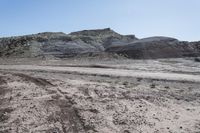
[58,44]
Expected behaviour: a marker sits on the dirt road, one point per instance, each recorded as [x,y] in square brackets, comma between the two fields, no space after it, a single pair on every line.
[106,72]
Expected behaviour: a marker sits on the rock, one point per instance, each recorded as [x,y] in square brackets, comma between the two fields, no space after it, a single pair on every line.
[197,59]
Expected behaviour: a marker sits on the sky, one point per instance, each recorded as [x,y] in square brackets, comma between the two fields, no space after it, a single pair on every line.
[144,18]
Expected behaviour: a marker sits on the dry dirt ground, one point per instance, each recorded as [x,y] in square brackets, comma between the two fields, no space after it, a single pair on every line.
[154,96]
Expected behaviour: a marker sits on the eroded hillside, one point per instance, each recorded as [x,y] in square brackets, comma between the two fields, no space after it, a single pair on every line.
[57,44]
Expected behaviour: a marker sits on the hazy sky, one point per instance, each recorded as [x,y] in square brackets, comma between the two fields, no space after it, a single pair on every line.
[144,18]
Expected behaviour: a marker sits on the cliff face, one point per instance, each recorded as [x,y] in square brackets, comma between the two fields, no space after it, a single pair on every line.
[59,44]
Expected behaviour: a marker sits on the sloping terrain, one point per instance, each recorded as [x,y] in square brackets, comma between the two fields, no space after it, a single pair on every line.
[91,42]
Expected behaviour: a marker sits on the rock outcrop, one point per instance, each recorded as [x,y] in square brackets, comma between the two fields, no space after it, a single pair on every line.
[58,44]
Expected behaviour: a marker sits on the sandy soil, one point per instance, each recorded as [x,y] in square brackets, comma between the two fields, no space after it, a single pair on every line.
[157,96]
